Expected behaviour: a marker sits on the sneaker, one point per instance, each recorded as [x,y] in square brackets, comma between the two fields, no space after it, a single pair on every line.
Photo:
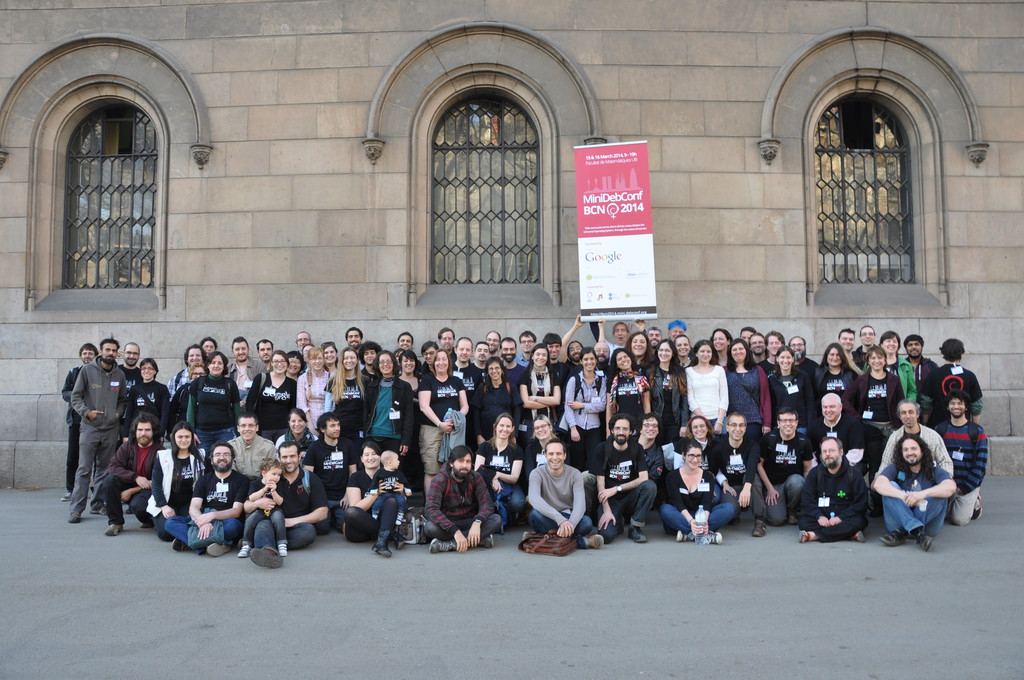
[487,542]
[177,545]
[977,508]
[66,497]
[244,552]
[113,529]
[716,538]
[74,518]
[758,531]
[217,549]
[396,540]
[680,536]
[924,541]
[595,542]
[791,518]
[99,510]
[894,538]
[439,546]
[637,535]
[266,558]
[145,525]
[282,549]
[859,537]
[527,534]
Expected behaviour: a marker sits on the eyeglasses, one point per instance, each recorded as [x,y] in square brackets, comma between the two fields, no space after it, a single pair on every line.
[650,425]
[694,456]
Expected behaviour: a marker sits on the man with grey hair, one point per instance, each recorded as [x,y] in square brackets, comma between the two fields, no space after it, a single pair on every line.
[910,415]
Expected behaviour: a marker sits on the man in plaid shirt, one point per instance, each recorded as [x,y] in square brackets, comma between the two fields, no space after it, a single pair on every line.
[459,510]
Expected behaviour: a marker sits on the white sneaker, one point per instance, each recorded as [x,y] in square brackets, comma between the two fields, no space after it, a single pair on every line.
[716,538]
[282,549]
[680,537]
[244,552]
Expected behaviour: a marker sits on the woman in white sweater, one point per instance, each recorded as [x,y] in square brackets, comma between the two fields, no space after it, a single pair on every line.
[708,391]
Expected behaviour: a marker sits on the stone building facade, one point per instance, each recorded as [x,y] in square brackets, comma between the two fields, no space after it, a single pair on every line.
[175,169]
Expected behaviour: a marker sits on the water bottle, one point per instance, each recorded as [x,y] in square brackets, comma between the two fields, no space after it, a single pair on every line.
[700,520]
[923,505]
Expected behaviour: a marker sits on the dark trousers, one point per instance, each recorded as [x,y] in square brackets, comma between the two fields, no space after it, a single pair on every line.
[111,489]
[160,522]
[489,526]
[580,452]
[299,536]
[635,504]
[360,526]
[74,432]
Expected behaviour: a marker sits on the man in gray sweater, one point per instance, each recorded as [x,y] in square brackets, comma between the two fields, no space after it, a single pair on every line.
[558,500]
[99,397]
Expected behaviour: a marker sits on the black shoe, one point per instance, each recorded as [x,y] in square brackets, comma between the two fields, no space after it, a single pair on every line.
[177,545]
[894,538]
[396,540]
[145,525]
[381,546]
[924,541]
[637,535]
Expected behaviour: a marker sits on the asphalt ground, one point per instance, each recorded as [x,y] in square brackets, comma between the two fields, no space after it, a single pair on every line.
[78,604]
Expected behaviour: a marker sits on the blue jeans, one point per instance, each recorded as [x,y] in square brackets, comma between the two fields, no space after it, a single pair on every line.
[637,502]
[299,536]
[335,519]
[509,501]
[674,521]
[541,525]
[207,438]
[177,527]
[399,498]
[899,516]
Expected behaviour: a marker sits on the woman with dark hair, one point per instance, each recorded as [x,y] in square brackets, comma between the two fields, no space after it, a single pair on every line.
[175,471]
[150,396]
[330,351]
[296,364]
[213,403]
[409,368]
[427,351]
[539,391]
[682,345]
[388,407]
[790,387]
[836,372]
[272,397]
[895,364]
[368,352]
[494,396]
[629,391]
[298,432]
[639,347]
[345,395]
[749,393]
[708,389]
[668,393]
[586,397]
[360,525]
[700,432]
[688,488]
[720,339]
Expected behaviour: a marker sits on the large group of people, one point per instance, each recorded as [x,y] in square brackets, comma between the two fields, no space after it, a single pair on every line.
[583,439]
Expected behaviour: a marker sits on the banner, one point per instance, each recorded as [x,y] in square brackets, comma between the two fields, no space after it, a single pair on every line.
[615,232]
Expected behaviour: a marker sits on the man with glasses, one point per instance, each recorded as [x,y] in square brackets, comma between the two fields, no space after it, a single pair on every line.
[785,460]
[734,462]
[248,448]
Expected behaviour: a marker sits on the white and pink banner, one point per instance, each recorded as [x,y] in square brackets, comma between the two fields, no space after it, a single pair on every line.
[615,231]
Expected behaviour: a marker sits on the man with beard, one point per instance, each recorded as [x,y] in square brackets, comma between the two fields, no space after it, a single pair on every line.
[758,349]
[129,474]
[603,351]
[914,344]
[265,350]
[914,494]
[242,370]
[513,370]
[910,416]
[465,370]
[459,510]
[99,397]
[834,503]
[86,353]
[623,485]
[481,353]
[493,342]
[304,504]
[217,495]
[806,364]
[968,447]
[130,368]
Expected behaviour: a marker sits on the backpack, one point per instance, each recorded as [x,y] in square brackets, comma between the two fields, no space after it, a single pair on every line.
[973,431]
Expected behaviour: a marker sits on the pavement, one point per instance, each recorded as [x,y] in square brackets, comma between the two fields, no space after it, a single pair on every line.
[76,603]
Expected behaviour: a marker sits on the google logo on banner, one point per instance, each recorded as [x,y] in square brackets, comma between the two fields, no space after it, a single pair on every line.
[613,256]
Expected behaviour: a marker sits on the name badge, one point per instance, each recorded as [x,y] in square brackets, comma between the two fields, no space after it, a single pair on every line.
[248,384]
[831,434]
[541,460]
[956,370]
[957,455]
[337,456]
[868,415]
[457,374]
[793,389]
[600,373]
[523,427]
[735,460]
[781,448]
[703,487]
[394,415]
[114,383]
[222,487]
[824,502]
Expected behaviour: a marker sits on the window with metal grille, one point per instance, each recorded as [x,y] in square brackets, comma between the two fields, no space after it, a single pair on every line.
[110,201]
[863,191]
[485,224]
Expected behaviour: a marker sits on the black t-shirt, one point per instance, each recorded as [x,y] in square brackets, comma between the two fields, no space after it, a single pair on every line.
[214,398]
[443,395]
[739,464]
[271,404]
[941,381]
[221,494]
[471,377]
[849,430]
[183,470]
[628,396]
[349,407]
[492,402]
[360,480]
[683,498]
[784,458]
[390,478]
[331,463]
[298,500]
[500,461]
[620,467]
[877,403]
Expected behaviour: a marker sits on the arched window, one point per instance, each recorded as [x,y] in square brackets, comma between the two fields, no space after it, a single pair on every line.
[863,191]
[485,224]
[110,201]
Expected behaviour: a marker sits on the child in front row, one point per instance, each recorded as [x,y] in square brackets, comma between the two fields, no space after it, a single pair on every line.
[266,487]
[385,484]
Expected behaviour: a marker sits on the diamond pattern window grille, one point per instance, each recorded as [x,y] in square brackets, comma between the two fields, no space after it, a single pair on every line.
[485,220]
[863,192]
[110,201]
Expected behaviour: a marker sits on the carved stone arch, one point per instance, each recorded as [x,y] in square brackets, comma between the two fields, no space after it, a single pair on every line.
[40,111]
[935,107]
[459,63]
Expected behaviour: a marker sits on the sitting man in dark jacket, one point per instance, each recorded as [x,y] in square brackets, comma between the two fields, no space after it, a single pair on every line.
[459,510]
[129,474]
[834,503]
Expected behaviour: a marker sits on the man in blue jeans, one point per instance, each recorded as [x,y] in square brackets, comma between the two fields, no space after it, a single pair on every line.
[914,494]
[305,504]
[217,495]
[558,500]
